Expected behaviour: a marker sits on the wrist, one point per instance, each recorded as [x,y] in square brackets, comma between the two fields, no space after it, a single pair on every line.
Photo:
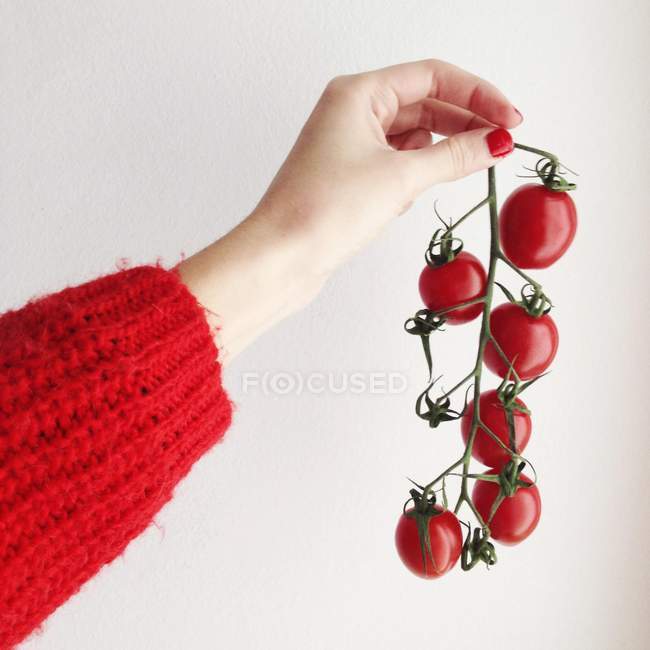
[259,273]
[285,263]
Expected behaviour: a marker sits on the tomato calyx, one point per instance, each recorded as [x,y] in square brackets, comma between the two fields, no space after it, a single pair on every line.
[533,299]
[477,548]
[424,322]
[442,248]
[507,393]
[509,478]
[509,390]
[438,410]
[552,173]
[424,508]
[422,505]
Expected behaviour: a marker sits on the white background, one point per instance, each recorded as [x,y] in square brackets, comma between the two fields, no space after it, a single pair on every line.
[145,129]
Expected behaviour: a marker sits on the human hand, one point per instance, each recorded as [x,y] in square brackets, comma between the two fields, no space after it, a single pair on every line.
[365,153]
[362,158]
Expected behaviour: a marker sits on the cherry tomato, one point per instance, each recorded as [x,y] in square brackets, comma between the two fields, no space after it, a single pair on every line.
[455,282]
[516,517]
[537,226]
[529,343]
[485,449]
[446,543]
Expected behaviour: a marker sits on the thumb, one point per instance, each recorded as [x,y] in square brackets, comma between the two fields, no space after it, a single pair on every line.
[457,156]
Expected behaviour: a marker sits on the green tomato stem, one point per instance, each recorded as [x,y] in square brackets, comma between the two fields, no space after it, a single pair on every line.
[477,207]
[516,269]
[483,340]
[540,152]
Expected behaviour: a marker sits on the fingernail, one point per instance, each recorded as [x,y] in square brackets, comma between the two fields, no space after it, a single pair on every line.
[499,143]
[521,117]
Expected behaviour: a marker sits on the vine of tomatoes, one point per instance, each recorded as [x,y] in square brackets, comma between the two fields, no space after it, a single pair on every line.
[518,342]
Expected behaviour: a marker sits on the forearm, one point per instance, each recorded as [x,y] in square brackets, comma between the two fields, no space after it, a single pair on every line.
[259,273]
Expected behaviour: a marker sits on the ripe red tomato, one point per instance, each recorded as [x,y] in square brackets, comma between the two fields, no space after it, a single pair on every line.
[529,343]
[455,282]
[516,517]
[536,226]
[446,543]
[485,449]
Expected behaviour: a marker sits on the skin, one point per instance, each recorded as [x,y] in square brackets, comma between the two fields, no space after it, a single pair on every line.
[363,156]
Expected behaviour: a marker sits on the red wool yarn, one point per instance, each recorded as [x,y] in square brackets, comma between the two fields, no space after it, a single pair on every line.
[109,392]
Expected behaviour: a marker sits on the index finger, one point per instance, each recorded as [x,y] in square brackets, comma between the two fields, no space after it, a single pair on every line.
[413,82]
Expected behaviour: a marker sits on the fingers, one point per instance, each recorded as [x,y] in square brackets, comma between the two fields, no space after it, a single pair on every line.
[409,140]
[455,157]
[407,83]
[437,117]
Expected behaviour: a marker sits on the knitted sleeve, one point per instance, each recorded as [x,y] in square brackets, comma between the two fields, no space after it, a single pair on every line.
[109,392]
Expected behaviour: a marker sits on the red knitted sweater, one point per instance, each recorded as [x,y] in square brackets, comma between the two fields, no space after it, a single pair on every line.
[109,392]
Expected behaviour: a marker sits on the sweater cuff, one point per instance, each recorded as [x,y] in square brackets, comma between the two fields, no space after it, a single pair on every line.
[109,392]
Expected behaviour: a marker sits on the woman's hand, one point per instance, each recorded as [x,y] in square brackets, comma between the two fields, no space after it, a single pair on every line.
[362,158]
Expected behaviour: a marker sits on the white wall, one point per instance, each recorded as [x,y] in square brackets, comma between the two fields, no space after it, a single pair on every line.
[144,129]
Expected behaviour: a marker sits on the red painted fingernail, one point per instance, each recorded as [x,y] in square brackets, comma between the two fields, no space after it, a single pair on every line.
[499,143]
[519,113]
